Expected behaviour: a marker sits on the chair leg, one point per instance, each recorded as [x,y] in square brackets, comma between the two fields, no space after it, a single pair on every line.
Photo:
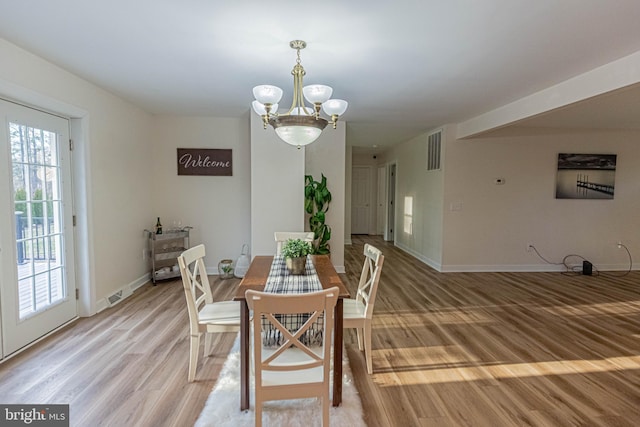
[258,412]
[325,410]
[360,338]
[367,346]
[208,344]
[193,356]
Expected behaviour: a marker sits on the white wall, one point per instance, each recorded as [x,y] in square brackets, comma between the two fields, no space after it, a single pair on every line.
[113,143]
[277,187]
[327,156]
[422,237]
[217,207]
[347,194]
[465,222]
[491,229]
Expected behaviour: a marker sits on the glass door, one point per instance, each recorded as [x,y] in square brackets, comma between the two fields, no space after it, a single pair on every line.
[37,288]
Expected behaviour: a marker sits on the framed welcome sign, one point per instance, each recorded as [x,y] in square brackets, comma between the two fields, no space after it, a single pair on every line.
[205,161]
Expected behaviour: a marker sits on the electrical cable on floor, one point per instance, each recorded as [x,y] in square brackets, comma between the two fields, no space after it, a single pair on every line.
[620,245]
[577,269]
[569,270]
[543,258]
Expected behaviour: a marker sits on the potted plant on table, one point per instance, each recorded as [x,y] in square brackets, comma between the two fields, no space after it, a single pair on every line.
[295,253]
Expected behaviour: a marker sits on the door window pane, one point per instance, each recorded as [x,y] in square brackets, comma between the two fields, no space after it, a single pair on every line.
[38,210]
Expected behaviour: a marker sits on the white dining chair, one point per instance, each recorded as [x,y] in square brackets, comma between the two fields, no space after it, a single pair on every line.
[205,315]
[293,369]
[358,311]
[282,236]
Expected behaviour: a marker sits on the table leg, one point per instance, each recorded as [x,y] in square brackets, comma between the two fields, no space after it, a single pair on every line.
[337,354]
[244,356]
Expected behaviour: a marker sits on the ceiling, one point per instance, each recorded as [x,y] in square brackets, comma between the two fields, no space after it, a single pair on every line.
[405,66]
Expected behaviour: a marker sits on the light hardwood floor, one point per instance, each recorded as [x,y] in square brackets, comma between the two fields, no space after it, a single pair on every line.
[483,349]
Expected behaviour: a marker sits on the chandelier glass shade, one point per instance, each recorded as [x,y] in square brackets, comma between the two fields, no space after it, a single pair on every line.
[301,124]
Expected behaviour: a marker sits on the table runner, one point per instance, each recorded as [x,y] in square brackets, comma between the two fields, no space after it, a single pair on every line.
[281,281]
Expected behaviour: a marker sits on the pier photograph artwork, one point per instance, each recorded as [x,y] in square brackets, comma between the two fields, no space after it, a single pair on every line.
[585,176]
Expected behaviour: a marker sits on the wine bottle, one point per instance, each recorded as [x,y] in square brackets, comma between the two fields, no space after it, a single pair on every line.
[158,226]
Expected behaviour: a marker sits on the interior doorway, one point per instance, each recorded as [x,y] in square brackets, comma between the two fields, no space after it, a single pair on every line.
[360,199]
[389,234]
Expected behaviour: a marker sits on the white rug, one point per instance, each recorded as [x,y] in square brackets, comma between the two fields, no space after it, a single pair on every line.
[223,405]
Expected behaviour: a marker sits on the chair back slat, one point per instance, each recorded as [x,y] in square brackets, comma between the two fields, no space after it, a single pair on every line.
[269,306]
[195,282]
[369,278]
[205,315]
[292,340]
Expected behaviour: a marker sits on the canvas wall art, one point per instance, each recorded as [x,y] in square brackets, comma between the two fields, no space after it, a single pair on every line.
[585,176]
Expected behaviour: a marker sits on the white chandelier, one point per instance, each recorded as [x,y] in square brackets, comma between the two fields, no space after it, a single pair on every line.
[300,125]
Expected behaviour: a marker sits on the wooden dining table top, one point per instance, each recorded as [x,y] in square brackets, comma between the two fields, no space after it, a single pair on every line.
[256,276]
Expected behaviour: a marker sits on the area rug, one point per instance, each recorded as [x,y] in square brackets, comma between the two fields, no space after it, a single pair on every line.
[223,405]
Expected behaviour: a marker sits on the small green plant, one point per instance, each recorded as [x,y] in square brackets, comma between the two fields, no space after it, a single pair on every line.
[295,248]
[225,269]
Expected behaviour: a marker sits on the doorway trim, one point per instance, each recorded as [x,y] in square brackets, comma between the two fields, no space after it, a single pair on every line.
[392,175]
[79,121]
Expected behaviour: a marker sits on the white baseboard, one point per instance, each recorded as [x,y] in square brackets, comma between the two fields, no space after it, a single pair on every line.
[431,263]
[542,268]
[501,268]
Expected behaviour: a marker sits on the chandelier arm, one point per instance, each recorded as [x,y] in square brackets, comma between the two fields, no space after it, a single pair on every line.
[298,99]
[334,121]
[308,111]
[265,117]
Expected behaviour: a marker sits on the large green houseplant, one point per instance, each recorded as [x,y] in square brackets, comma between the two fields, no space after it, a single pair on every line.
[316,203]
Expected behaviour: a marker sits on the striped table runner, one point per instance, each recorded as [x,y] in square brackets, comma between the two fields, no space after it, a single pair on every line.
[281,281]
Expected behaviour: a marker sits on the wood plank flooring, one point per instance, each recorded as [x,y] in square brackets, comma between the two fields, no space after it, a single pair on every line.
[481,349]
[499,349]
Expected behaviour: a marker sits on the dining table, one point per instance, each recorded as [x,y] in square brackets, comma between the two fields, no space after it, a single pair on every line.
[255,279]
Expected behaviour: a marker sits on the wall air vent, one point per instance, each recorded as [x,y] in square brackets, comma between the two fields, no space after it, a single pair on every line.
[118,296]
[434,150]
[114,298]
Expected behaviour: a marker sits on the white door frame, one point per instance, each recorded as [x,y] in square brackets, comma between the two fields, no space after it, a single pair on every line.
[19,328]
[80,133]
